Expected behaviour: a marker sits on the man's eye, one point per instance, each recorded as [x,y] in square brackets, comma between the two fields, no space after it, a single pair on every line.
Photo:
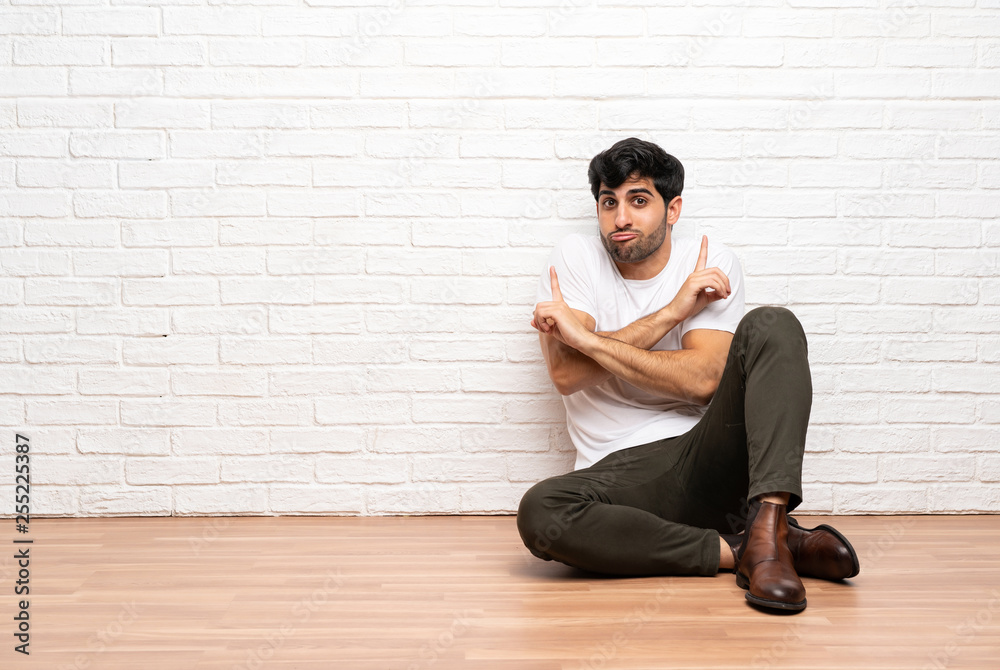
[609,202]
[640,201]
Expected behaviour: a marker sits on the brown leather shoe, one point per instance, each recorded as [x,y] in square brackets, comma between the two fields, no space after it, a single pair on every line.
[765,565]
[821,552]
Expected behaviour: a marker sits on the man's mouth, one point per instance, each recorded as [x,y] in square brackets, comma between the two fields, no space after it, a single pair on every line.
[623,237]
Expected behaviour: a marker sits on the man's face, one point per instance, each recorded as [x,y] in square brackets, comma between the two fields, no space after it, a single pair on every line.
[632,219]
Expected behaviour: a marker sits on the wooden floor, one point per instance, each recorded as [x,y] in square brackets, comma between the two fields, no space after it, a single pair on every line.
[462,592]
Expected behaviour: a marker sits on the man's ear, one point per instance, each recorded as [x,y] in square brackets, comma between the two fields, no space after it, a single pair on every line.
[674,210]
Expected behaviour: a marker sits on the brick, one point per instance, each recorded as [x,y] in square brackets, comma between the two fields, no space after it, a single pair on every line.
[210,21]
[964,438]
[314,499]
[357,113]
[256,51]
[269,290]
[361,289]
[829,53]
[145,501]
[334,349]
[170,291]
[831,409]
[71,412]
[941,54]
[840,468]
[159,51]
[265,412]
[498,23]
[979,378]
[118,22]
[307,22]
[964,498]
[453,52]
[457,468]
[872,262]
[100,81]
[797,262]
[930,291]
[796,203]
[709,22]
[226,321]
[165,174]
[497,498]
[885,439]
[395,439]
[31,21]
[338,440]
[122,204]
[949,468]
[219,382]
[217,202]
[508,378]
[501,439]
[366,469]
[456,408]
[208,499]
[244,351]
[926,349]
[457,290]
[423,498]
[412,379]
[859,499]
[162,113]
[166,351]
[117,144]
[928,408]
[897,23]
[373,408]
[60,51]
[955,234]
[123,322]
[355,51]
[143,470]
[615,115]
[266,469]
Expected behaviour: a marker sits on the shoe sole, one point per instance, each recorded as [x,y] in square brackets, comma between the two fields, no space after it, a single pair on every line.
[744,583]
[855,563]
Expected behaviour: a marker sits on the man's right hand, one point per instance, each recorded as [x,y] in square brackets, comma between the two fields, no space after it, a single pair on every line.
[693,296]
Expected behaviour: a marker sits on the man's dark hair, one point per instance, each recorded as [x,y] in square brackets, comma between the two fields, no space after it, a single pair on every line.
[634,156]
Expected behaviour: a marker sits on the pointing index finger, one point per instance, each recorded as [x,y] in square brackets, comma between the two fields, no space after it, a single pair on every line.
[703,256]
[556,293]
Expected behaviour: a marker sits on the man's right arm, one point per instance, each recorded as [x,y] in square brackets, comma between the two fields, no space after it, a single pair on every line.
[572,371]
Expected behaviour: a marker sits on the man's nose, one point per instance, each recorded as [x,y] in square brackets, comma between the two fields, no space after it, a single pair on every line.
[622,218]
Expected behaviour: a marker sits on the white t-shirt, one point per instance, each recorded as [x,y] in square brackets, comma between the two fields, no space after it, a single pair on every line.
[615,414]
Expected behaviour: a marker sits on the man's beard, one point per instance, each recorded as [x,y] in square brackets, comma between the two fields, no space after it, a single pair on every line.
[636,250]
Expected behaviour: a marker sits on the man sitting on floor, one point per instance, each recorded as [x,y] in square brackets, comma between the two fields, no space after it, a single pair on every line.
[689,417]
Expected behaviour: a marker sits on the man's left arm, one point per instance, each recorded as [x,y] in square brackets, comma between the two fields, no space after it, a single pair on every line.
[691,374]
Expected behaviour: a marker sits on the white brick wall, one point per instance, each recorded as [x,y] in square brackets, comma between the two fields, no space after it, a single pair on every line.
[279,258]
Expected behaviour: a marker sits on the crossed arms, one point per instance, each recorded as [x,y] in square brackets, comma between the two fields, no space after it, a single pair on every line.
[577,357]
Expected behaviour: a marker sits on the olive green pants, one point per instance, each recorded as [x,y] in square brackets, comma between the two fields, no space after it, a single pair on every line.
[658,508]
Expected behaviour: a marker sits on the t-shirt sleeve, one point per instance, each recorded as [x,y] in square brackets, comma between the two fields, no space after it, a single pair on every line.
[721,314]
[576,268]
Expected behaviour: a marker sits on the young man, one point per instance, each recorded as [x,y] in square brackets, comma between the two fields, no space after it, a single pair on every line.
[689,417]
